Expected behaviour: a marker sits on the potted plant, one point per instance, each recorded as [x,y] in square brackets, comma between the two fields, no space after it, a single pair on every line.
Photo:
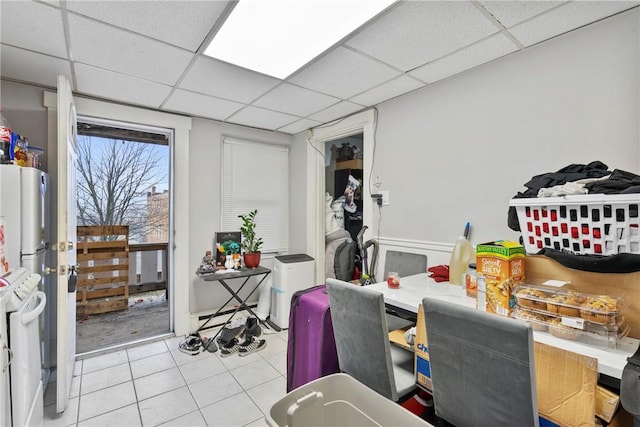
[250,242]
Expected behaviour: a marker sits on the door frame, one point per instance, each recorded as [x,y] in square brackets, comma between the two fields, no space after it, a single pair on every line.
[364,122]
[178,253]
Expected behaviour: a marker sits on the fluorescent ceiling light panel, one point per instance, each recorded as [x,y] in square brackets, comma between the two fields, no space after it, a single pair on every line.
[277,37]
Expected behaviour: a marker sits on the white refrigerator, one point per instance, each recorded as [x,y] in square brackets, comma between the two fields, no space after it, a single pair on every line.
[24,209]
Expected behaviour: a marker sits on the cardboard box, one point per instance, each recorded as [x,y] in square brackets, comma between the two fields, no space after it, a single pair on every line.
[422,366]
[621,419]
[397,338]
[502,264]
[566,386]
[566,381]
[607,403]
[627,285]
[349,164]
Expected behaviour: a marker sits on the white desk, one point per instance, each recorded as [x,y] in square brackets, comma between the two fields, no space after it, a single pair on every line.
[412,289]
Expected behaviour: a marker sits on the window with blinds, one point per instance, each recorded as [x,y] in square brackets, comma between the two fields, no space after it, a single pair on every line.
[256,176]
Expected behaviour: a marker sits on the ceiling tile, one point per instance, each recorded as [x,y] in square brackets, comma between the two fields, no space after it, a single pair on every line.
[388,90]
[336,111]
[261,118]
[102,46]
[295,100]
[33,26]
[510,13]
[201,105]
[465,59]
[181,23]
[107,84]
[299,126]
[32,67]
[226,81]
[416,32]
[566,18]
[343,73]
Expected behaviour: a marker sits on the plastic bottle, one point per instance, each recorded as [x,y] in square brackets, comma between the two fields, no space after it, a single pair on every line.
[5,139]
[460,257]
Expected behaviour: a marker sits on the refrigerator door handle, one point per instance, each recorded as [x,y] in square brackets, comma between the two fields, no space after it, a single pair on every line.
[9,359]
[33,314]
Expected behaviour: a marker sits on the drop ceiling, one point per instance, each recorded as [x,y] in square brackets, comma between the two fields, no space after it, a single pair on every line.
[149,54]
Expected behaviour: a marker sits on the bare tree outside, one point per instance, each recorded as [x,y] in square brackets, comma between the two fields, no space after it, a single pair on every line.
[114,179]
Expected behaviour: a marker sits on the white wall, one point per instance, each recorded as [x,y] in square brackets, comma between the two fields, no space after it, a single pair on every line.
[205,153]
[298,195]
[458,150]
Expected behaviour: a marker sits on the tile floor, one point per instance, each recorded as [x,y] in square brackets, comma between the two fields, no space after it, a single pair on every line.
[156,384]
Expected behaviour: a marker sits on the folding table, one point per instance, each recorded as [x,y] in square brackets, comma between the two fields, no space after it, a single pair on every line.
[260,272]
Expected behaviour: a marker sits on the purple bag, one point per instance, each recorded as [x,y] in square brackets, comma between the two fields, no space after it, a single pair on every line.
[311,348]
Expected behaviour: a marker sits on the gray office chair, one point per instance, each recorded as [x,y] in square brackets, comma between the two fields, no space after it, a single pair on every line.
[482,366]
[406,264]
[362,341]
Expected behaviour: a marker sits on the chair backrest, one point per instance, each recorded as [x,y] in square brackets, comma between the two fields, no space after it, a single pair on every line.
[340,253]
[362,340]
[482,366]
[404,263]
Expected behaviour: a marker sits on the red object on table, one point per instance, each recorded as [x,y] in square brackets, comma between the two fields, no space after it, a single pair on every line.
[439,273]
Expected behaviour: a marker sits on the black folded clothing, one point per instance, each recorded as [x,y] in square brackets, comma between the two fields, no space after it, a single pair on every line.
[618,263]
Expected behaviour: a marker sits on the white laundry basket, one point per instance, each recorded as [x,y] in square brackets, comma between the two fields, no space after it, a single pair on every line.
[594,224]
[339,400]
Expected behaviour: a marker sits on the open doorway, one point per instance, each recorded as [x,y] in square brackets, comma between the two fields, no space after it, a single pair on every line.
[361,123]
[344,185]
[124,205]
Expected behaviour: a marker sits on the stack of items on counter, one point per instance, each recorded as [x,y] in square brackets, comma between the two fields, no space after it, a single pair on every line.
[14,148]
[595,319]
[554,307]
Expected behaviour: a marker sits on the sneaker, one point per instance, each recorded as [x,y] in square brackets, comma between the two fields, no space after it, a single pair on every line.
[229,336]
[209,345]
[191,345]
[251,345]
[253,327]
[229,351]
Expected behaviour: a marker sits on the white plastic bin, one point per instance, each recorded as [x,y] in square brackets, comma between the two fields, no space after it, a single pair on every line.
[339,400]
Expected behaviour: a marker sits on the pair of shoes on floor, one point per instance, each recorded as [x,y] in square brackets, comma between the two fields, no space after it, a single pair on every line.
[241,339]
[250,345]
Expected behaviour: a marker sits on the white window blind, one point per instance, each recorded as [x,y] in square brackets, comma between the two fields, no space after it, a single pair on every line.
[256,176]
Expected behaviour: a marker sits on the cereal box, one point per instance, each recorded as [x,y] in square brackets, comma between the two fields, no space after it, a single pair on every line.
[501,263]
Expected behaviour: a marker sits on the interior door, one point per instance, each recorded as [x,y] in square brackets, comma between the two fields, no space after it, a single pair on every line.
[65,242]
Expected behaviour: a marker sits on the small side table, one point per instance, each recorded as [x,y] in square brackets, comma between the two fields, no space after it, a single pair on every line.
[245,273]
